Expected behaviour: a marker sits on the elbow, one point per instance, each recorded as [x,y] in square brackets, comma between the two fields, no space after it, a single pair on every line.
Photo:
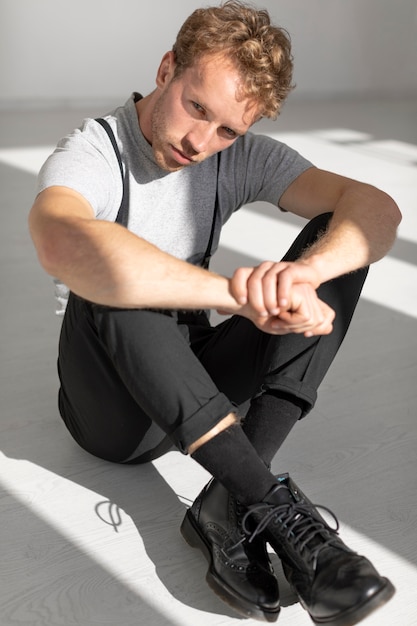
[394,212]
[46,247]
[393,216]
[384,205]
[48,259]
[390,219]
[386,210]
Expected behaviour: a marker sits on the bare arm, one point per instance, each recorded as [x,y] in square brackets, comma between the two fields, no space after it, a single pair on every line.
[362,230]
[105,263]
[363,227]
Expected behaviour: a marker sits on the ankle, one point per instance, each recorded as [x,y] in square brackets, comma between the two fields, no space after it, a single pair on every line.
[225,423]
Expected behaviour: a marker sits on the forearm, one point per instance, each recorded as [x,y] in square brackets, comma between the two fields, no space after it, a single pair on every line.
[105,263]
[361,231]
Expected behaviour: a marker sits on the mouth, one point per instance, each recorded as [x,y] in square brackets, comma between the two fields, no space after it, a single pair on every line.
[181,157]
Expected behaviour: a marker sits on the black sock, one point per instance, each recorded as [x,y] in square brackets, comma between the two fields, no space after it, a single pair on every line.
[269,420]
[230,457]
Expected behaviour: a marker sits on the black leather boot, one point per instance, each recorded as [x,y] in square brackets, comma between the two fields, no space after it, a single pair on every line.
[334,584]
[239,572]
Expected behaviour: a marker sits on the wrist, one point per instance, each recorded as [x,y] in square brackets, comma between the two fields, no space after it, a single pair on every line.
[220,294]
[318,266]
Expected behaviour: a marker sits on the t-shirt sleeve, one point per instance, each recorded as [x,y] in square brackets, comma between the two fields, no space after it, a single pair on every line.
[261,168]
[283,165]
[85,161]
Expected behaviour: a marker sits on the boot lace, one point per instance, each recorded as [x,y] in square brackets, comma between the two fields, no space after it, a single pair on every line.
[303,527]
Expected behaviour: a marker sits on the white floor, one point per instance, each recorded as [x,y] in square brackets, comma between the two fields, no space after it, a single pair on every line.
[87,543]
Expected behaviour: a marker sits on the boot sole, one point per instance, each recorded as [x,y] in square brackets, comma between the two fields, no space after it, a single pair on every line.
[356,614]
[196,539]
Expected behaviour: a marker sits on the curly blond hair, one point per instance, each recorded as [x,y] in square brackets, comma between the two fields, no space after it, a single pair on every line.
[260,51]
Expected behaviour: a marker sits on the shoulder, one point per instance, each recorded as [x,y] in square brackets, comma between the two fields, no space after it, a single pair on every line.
[262,153]
[90,137]
[85,160]
[254,144]
[259,152]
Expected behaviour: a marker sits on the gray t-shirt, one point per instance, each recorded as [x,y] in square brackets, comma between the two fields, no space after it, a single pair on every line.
[173,210]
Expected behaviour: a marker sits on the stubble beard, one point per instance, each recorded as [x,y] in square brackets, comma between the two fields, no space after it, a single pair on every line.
[161,140]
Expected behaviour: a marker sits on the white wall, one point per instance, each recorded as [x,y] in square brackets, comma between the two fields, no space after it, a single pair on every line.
[64,52]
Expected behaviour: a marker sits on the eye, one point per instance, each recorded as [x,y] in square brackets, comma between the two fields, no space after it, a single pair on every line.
[229,132]
[197,107]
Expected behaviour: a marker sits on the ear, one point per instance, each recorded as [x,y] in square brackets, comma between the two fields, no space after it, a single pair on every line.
[165,70]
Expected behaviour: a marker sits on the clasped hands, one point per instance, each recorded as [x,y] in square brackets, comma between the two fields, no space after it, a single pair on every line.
[281,298]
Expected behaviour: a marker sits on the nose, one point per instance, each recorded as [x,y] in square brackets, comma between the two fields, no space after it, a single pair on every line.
[200,136]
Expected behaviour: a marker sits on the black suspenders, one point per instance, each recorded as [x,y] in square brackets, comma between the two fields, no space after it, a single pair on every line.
[208,252]
[123,212]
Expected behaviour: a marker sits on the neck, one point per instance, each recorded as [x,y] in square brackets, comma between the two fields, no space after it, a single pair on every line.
[143,111]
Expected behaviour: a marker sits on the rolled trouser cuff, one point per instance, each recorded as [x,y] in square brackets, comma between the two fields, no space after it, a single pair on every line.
[201,422]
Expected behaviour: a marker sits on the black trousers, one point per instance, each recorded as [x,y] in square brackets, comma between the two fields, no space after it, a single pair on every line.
[135,382]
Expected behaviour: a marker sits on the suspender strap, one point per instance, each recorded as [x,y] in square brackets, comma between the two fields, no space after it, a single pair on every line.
[208,252]
[123,212]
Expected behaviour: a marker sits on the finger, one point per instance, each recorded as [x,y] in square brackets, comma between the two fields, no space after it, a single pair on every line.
[270,290]
[258,285]
[268,273]
[326,326]
[313,317]
[292,322]
[284,286]
[238,284]
[303,312]
[294,273]
[324,329]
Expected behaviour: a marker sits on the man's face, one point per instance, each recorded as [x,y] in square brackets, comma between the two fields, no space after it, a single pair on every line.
[198,114]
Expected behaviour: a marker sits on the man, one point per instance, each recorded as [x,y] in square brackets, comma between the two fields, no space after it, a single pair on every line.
[140,366]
